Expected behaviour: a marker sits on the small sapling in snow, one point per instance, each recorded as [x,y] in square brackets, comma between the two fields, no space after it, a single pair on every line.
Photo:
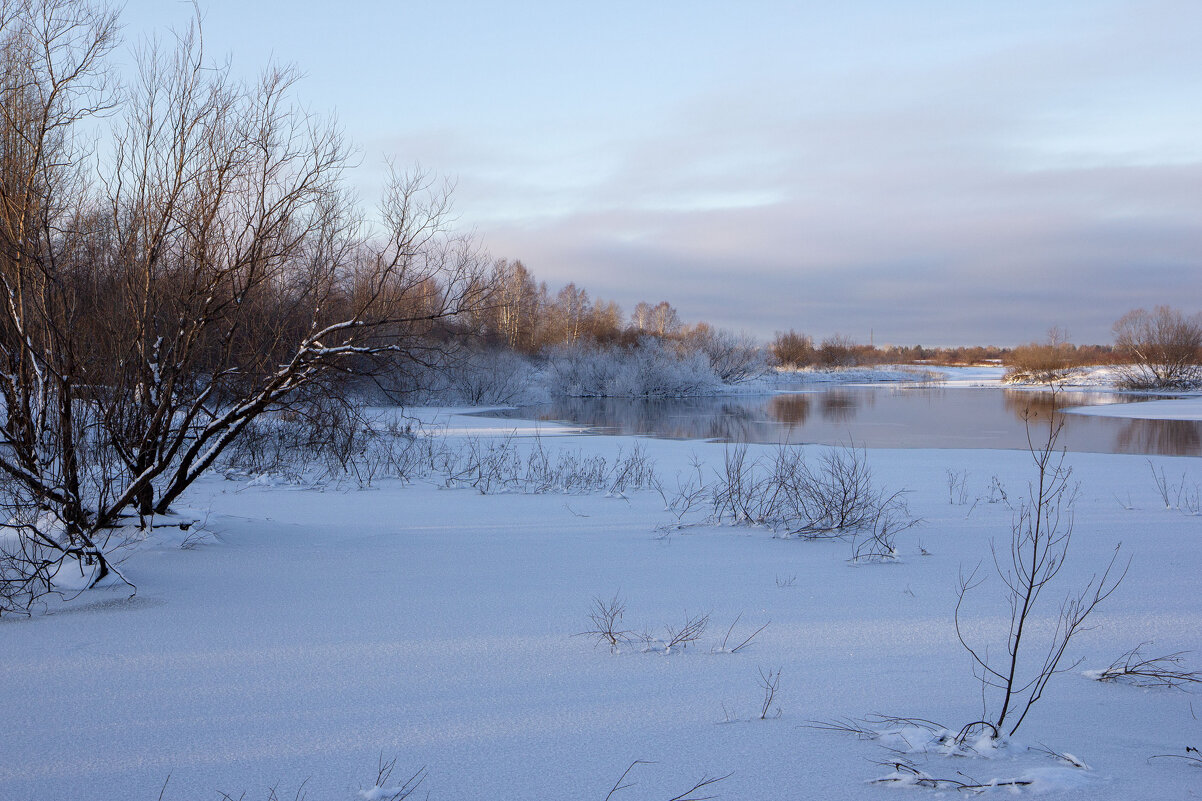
[1018,673]
[606,617]
[769,682]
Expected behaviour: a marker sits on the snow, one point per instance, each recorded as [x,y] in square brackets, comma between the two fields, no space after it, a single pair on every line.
[1185,408]
[313,631]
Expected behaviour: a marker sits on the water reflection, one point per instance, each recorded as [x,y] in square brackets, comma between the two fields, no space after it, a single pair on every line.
[792,410]
[838,406]
[1037,406]
[1164,437]
[880,417]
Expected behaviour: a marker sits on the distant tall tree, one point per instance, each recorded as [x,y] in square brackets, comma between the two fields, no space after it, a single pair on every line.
[516,304]
[640,318]
[605,322]
[573,308]
[660,320]
[665,322]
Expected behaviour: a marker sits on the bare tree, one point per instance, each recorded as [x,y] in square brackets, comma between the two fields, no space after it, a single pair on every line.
[218,271]
[54,80]
[1164,347]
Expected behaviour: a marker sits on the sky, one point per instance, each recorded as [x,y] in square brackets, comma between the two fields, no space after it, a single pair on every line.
[929,172]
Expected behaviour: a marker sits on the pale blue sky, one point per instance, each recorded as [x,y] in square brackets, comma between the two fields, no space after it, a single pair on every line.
[932,172]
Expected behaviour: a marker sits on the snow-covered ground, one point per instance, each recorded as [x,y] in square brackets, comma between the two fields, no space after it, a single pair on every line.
[1184,408]
[315,631]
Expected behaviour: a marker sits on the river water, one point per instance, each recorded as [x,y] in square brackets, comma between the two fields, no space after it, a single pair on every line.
[890,416]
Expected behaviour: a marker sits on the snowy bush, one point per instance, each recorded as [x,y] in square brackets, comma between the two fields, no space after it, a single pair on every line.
[835,497]
[650,370]
[732,357]
[490,378]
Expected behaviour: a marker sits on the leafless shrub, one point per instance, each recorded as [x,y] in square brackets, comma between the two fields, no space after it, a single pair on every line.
[997,492]
[39,557]
[493,376]
[1162,485]
[636,470]
[957,487]
[1180,495]
[690,491]
[876,541]
[1042,362]
[836,499]
[1135,668]
[1039,541]
[331,439]
[838,351]
[733,357]
[689,632]
[1164,347]
[793,350]
[769,682]
[504,464]
[25,572]
[606,617]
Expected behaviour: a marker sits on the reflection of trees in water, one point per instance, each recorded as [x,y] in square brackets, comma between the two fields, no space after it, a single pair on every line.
[792,410]
[732,421]
[674,419]
[1018,401]
[838,406]
[1165,437]
[1038,404]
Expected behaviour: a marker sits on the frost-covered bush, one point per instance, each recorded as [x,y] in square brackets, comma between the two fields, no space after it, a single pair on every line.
[653,369]
[732,357]
[491,377]
[466,377]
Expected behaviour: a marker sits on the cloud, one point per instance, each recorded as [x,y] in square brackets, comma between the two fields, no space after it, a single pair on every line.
[967,180]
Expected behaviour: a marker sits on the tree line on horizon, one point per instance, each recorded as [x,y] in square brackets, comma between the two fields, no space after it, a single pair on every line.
[525,317]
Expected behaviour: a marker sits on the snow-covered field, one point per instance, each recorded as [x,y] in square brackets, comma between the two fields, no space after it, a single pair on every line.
[316,631]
